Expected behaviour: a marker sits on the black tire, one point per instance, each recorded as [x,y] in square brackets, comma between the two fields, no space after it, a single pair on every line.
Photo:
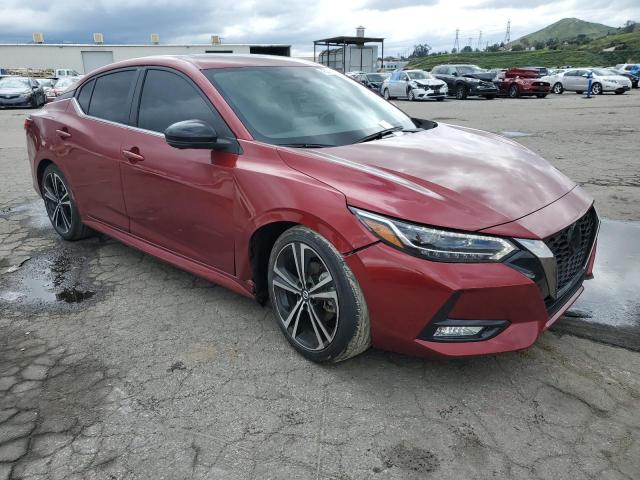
[61,209]
[386,95]
[440,99]
[596,89]
[541,95]
[489,97]
[558,88]
[344,331]
[461,91]
[513,92]
[410,95]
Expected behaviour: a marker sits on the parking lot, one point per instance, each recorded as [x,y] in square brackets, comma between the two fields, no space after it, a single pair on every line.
[114,365]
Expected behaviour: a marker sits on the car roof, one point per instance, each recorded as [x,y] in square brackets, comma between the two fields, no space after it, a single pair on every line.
[212,60]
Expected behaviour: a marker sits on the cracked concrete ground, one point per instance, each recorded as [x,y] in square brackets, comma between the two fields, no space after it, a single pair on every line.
[160,375]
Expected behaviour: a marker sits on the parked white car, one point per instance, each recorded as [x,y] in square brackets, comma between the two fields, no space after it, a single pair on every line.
[603,80]
[65,72]
[413,85]
[555,80]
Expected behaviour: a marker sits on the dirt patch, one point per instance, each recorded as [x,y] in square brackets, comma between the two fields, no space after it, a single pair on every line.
[410,458]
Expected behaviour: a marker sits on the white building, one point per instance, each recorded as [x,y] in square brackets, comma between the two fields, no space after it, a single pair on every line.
[87,57]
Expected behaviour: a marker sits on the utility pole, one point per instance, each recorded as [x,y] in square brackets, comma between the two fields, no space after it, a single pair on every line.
[456,43]
[507,36]
[480,40]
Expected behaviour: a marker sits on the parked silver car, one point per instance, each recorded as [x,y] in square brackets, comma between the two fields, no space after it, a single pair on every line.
[413,85]
[603,80]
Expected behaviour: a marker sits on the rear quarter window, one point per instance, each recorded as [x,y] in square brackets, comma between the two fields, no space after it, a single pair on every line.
[112,96]
[85,95]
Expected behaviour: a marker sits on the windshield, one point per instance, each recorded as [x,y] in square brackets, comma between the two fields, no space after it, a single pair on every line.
[64,83]
[419,75]
[603,72]
[375,77]
[304,105]
[469,69]
[14,83]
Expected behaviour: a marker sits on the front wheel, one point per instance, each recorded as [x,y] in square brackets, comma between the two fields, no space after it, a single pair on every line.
[316,298]
[461,92]
[411,96]
[60,205]
[558,88]
[513,91]
[386,95]
[596,89]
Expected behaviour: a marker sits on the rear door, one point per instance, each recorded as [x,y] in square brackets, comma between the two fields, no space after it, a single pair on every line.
[181,200]
[93,133]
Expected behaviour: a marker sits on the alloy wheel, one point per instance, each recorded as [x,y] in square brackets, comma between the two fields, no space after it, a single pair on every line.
[386,94]
[557,88]
[596,89]
[411,96]
[57,202]
[306,298]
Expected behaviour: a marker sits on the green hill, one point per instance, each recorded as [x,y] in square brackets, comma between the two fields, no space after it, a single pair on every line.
[590,54]
[566,29]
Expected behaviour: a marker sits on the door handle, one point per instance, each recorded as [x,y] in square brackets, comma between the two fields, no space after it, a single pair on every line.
[133,157]
[63,132]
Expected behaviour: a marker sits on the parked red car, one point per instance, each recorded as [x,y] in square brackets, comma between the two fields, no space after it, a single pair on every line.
[522,82]
[283,180]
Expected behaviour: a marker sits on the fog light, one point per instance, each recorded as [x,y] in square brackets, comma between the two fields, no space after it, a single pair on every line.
[457,331]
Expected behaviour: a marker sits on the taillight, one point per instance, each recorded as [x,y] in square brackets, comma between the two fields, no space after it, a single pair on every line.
[27,123]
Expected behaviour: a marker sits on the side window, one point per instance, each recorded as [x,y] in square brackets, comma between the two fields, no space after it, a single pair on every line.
[436,70]
[110,99]
[403,77]
[168,98]
[85,95]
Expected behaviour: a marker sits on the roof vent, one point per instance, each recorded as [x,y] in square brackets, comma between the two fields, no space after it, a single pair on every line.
[155,38]
[38,37]
[360,31]
[215,40]
[98,38]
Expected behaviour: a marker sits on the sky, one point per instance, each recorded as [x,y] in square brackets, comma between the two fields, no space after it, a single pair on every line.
[403,23]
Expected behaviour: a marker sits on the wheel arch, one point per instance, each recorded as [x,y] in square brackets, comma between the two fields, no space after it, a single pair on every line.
[41,167]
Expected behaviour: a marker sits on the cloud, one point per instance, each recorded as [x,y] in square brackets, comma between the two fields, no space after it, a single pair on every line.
[294,22]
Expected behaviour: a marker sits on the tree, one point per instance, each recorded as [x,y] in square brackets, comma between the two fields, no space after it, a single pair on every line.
[467,49]
[538,45]
[420,50]
[629,26]
[493,48]
[517,48]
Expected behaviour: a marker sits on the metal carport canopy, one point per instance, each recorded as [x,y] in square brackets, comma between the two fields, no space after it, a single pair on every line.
[343,42]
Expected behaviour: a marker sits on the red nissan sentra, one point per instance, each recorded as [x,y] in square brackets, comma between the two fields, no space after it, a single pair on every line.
[286,181]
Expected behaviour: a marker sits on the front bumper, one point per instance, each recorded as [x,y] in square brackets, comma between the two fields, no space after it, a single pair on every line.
[14,101]
[408,297]
[483,90]
[423,93]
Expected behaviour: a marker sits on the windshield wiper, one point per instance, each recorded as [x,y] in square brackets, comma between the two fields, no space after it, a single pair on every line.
[385,132]
[305,145]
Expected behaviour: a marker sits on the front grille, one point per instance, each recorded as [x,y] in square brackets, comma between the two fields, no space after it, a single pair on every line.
[571,247]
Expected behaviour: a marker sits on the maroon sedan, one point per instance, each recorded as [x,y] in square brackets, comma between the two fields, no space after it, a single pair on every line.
[285,181]
[522,82]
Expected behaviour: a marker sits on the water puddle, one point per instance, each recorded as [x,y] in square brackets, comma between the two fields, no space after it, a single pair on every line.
[509,134]
[613,296]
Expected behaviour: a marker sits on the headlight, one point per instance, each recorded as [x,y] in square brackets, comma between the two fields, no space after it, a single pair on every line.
[433,243]
[413,84]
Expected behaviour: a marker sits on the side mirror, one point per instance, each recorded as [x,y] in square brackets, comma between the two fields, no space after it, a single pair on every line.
[35,87]
[455,74]
[193,134]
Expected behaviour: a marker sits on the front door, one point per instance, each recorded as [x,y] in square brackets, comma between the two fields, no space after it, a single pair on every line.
[181,200]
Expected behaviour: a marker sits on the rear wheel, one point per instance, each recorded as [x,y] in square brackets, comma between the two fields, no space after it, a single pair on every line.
[596,89]
[461,92]
[558,88]
[316,299]
[513,91]
[60,205]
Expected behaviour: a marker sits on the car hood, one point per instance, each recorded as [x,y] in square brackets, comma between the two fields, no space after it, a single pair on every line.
[14,91]
[488,76]
[431,82]
[447,176]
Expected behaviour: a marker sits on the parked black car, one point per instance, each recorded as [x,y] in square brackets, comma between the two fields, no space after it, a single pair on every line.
[625,73]
[467,80]
[21,92]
